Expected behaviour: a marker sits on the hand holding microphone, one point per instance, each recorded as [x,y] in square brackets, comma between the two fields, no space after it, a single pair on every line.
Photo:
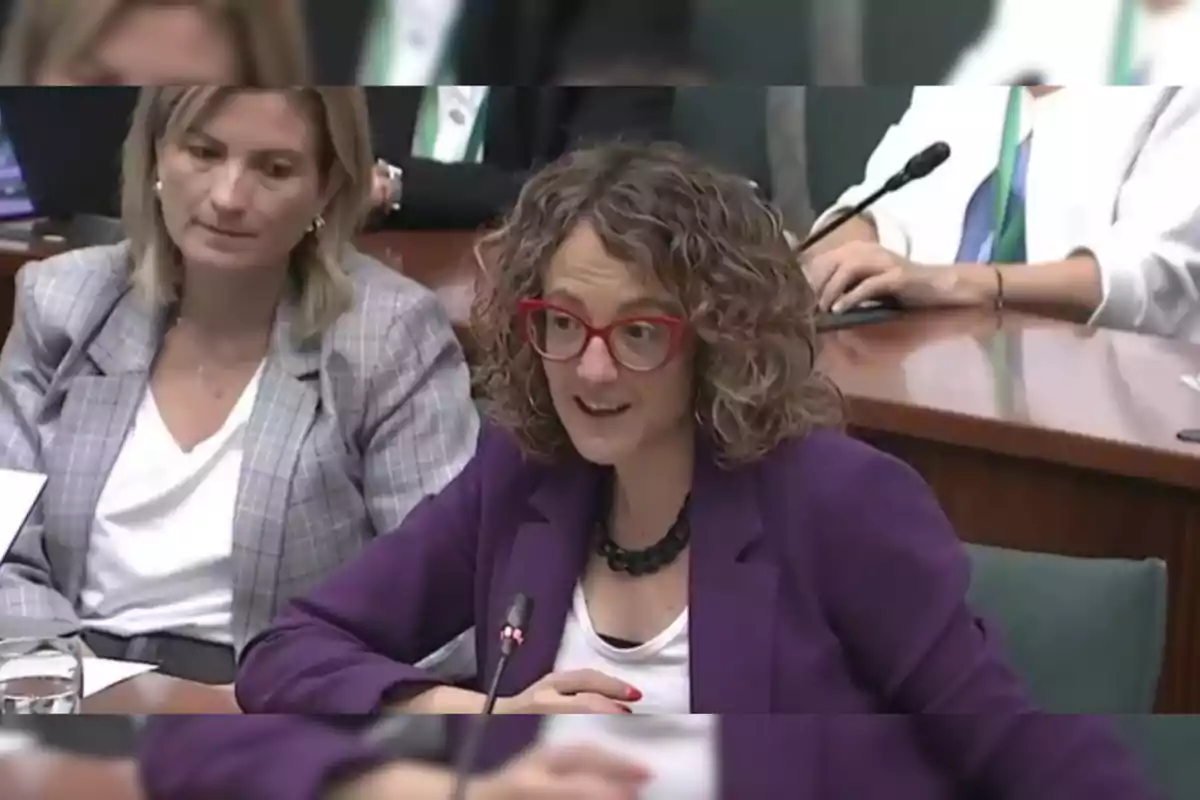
[550,774]
[855,272]
[580,692]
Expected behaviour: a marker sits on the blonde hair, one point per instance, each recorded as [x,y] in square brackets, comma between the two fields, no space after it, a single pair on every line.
[268,36]
[339,114]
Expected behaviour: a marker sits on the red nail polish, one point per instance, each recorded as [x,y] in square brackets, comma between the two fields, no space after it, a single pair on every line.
[634,694]
[626,709]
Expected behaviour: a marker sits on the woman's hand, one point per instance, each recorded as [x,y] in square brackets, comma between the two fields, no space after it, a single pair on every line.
[386,183]
[574,773]
[583,691]
[851,273]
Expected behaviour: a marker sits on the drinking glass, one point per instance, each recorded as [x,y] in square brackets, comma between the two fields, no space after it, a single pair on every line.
[41,670]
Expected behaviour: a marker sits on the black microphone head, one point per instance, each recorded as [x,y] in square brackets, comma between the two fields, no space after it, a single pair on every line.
[519,612]
[926,161]
[516,619]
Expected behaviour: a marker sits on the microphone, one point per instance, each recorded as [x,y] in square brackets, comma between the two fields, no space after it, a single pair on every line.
[512,636]
[917,167]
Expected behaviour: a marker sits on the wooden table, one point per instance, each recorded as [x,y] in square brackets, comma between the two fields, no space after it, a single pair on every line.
[43,775]
[60,776]
[152,693]
[1047,436]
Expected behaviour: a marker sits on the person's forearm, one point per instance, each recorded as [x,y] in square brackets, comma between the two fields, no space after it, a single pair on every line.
[440,700]
[404,779]
[859,228]
[1072,284]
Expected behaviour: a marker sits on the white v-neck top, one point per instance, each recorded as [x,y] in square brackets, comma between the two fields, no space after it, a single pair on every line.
[162,537]
[678,747]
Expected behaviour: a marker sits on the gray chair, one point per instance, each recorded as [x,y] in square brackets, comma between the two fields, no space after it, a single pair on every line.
[1168,747]
[1086,634]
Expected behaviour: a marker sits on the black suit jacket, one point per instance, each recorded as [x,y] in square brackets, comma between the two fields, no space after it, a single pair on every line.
[517,42]
[526,127]
[508,44]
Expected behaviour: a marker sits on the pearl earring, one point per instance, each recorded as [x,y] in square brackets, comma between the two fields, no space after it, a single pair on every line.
[317,223]
[158,186]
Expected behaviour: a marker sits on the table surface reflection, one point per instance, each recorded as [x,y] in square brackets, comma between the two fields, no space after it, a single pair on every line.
[1025,386]
[154,693]
[45,775]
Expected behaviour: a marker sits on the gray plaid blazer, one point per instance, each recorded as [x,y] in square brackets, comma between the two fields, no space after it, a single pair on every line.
[347,433]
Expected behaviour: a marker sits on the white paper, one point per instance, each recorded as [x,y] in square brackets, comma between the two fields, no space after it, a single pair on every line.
[18,492]
[102,673]
[1191,381]
[98,673]
[14,741]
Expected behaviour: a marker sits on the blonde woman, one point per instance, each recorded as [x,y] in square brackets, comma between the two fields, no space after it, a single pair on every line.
[135,42]
[234,401]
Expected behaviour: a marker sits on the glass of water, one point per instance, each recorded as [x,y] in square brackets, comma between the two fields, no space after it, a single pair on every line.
[40,672]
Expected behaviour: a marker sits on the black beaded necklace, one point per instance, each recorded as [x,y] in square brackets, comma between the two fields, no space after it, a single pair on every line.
[652,559]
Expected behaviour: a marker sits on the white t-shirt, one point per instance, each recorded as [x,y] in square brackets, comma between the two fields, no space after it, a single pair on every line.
[162,538]
[678,747]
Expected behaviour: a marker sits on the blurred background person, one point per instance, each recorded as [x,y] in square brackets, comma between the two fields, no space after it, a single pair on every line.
[461,153]
[461,149]
[1082,203]
[1085,43]
[159,42]
[233,401]
[488,42]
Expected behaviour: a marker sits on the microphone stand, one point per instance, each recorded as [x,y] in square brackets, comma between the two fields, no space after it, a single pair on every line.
[512,636]
[917,167]
[847,214]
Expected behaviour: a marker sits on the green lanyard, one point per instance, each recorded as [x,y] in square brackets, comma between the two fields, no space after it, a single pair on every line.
[381,48]
[1121,65]
[380,51]
[1007,232]
[425,140]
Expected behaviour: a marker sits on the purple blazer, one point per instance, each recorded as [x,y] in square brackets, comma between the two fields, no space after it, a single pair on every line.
[825,585]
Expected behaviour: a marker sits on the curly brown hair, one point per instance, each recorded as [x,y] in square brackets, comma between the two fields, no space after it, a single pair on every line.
[712,242]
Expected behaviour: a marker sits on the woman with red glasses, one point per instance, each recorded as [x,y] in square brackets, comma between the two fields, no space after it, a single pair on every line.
[665,482]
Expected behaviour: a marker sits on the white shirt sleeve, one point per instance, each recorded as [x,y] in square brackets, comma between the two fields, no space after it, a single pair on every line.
[1150,257]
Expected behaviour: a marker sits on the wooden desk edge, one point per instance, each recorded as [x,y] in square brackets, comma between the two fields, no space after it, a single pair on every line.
[1119,458]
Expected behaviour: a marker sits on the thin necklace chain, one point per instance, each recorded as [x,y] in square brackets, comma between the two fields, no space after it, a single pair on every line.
[210,384]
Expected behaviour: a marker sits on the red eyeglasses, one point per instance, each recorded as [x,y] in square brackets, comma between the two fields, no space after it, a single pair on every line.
[639,344]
